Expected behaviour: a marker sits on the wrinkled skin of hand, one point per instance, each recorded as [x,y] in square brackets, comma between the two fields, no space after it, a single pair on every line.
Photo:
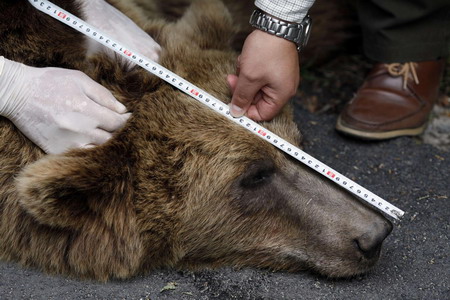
[267,76]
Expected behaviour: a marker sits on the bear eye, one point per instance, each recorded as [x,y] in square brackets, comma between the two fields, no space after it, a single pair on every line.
[257,178]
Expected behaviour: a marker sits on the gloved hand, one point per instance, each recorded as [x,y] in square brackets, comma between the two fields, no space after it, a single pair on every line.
[57,108]
[118,26]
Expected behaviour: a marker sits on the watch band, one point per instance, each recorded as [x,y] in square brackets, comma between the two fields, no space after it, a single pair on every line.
[294,32]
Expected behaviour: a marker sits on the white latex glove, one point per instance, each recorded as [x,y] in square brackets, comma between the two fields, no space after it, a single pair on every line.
[57,108]
[118,26]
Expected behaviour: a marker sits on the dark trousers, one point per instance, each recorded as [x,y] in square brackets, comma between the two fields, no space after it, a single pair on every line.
[405,30]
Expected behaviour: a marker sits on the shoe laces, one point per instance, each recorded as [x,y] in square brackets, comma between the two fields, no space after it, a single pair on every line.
[406,70]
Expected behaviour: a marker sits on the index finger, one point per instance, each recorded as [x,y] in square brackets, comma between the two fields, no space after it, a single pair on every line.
[243,95]
[102,96]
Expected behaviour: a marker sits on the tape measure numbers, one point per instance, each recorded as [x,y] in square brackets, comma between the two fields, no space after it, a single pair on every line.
[215,104]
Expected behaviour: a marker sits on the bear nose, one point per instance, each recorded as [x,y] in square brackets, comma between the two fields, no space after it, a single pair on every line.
[369,243]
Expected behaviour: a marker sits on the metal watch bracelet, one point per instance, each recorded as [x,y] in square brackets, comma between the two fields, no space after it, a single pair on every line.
[294,32]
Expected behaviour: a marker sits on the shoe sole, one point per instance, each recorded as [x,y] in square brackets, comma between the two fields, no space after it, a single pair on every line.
[378,135]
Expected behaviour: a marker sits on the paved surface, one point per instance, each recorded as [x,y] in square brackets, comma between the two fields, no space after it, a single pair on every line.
[414,265]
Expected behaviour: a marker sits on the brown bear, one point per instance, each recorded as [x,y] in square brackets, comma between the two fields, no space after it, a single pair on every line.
[180,185]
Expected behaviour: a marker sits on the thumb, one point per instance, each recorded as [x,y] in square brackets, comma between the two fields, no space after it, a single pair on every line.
[244,93]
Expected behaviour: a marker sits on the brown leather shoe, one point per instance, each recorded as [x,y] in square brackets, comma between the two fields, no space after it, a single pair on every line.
[395,100]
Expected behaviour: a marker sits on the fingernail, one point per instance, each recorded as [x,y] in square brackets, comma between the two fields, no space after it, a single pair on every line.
[236,111]
[121,108]
[126,116]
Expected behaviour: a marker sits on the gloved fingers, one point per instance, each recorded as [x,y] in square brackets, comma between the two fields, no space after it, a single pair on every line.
[118,26]
[102,96]
[90,117]
[88,146]
[73,140]
[97,137]
[114,122]
[74,130]
[87,140]
[106,119]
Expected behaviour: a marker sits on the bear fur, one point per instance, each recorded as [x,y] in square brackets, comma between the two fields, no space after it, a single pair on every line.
[179,186]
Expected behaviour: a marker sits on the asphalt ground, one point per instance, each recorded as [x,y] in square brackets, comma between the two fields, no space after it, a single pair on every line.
[415,264]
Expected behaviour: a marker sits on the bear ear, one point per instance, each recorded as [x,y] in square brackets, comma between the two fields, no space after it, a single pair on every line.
[206,24]
[67,191]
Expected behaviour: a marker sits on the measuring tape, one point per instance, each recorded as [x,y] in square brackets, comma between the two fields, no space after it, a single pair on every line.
[215,104]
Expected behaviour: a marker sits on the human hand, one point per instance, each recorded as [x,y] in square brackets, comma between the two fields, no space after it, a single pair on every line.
[115,24]
[268,75]
[57,108]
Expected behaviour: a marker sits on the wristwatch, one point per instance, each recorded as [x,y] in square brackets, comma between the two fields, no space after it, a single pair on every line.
[294,32]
